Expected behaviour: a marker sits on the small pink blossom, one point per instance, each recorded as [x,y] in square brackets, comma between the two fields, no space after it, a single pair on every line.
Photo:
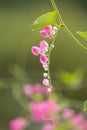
[46,32]
[36,50]
[43,58]
[27,90]
[45,82]
[44,46]
[18,124]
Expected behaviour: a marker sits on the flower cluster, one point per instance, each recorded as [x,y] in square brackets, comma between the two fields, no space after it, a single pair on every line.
[18,124]
[48,31]
[36,89]
[44,49]
[44,111]
[71,122]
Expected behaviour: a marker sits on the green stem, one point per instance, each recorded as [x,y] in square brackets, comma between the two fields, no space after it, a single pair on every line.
[66,28]
[74,38]
[56,9]
[49,54]
[50,84]
[49,77]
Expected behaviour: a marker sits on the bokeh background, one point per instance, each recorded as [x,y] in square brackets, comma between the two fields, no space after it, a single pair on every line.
[17,64]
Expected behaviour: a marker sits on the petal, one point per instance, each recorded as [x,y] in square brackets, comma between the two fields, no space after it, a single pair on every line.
[35,50]
[43,59]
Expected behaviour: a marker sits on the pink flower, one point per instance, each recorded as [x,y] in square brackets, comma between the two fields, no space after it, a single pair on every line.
[42,111]
[84,125]
[68,113]
[44,46]
[36,50]
[38,88]
[27,90]
[18,124]
[48,126]
[45,82]
[43,58]
[46,32]
[49,108]
[77,119]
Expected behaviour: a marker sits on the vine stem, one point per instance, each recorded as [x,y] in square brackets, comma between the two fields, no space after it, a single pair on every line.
[75,39]
[49,54]
[50,81]
[56,9]
[66,28]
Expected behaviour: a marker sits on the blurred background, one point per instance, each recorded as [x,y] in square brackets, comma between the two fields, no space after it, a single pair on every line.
[18,65]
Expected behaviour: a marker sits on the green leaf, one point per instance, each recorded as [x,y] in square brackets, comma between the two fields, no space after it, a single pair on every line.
[82,34]
[45,19]
[85,106]
[73,80]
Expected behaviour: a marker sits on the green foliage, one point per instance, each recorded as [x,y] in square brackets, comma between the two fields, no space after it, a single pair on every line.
[85,106]
[45,19]
[63,127]
[18,95]
[72,80]
[17,91]
[82,34]
[18,73]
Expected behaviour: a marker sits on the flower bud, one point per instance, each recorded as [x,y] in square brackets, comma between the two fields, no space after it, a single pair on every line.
[46,82]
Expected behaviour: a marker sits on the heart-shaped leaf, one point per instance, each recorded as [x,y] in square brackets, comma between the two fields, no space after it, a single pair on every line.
[45,19]
[82,34]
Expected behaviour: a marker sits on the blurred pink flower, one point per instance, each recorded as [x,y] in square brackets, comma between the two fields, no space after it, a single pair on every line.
[42,111]
[35,50]
[38,89]
[18,124]
[84,125]
[28,90]
[77,119]
[48,126]
[44,46]
[68,113]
